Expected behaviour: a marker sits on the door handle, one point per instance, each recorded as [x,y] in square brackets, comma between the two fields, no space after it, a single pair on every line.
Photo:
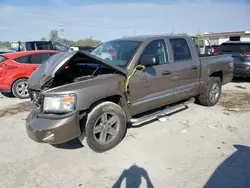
[195,67]
[166,72]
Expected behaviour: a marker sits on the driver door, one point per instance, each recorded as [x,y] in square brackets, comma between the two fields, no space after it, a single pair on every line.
[154,86]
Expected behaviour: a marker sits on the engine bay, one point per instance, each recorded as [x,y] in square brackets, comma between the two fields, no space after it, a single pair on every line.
[78,69]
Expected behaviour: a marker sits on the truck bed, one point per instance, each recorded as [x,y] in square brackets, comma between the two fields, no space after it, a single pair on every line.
[223,62]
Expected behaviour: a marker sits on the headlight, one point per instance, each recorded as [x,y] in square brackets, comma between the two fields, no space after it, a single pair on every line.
[59,104]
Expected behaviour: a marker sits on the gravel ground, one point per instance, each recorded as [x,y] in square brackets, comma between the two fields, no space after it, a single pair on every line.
[9,101]
[198,147]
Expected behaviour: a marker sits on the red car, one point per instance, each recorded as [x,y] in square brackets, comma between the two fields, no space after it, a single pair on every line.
[16,68]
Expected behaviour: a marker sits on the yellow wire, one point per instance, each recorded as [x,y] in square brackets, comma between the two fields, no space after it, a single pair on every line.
[128,78]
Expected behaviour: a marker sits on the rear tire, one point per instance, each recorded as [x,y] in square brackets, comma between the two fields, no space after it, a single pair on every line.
[105,127]
[20,89]
[212,92]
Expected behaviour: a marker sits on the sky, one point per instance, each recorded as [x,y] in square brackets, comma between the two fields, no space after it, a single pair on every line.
[108,19]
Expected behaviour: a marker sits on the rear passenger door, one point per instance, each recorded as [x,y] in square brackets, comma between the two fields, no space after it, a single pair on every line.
[187,68]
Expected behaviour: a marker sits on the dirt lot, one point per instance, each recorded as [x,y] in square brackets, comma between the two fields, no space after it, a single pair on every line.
[198,147]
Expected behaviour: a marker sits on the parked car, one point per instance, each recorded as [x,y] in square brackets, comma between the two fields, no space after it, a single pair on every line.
[241,54]
[93,96]
[15,69]
[2,51]
[43,45]
[216,49]
[83,48]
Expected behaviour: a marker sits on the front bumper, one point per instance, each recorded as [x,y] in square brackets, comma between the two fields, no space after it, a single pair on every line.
[52,129]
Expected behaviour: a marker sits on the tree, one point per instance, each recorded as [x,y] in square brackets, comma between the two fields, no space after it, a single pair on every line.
[199,36]
[6,44]
[53,35]
[182,34]
[43,39]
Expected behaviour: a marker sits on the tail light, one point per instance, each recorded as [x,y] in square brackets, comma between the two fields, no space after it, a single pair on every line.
[246,53]
[246,56]
[215,52]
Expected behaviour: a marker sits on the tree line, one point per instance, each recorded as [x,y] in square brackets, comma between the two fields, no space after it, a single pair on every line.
[54,35]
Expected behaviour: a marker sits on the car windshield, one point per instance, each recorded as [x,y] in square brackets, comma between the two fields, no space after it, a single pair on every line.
[60,46]
[241,48]
[117,52]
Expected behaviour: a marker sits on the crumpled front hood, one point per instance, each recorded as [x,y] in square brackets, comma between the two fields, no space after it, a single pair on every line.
[48,69]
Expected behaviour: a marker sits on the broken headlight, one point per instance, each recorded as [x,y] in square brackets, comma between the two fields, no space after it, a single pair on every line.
[59,104]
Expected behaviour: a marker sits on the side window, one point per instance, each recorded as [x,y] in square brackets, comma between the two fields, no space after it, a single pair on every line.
[43,46]
[39,58]
[157,48]
[23,60]
[60,47]
[180,49]
[30,46]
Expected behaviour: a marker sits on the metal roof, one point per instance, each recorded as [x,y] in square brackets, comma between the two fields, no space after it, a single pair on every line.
[237,33]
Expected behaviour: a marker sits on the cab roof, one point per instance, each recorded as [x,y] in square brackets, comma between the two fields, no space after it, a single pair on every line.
[147,37]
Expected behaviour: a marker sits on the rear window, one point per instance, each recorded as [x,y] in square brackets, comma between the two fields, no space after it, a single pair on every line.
[23,60]
[241,48]
[2,58]
[181,49]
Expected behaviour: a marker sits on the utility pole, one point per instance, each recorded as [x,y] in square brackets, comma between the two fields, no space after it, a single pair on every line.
[61,31]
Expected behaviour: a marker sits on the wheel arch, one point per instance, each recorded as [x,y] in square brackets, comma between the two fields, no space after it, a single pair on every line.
[11,89]
[218,73]
[17,80]
[116,98]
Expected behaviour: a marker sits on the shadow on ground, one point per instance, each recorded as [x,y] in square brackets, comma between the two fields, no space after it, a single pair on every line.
[240,80]
[133,177]
[73,144]
[233,172]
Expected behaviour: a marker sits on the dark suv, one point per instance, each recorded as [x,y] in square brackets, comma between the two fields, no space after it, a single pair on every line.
[43,45]
[241,54]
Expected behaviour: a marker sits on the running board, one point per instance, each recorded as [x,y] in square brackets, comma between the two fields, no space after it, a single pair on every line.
[164,112]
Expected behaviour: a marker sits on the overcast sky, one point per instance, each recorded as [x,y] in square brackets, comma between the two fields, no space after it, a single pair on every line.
[108,19]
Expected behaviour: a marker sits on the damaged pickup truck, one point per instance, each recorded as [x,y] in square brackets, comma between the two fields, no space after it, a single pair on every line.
[93,97]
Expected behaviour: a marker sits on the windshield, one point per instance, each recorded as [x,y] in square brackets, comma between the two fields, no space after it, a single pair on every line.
[117,52]
[241,48]
[60,46]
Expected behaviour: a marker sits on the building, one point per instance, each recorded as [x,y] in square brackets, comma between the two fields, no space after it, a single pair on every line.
[219,38]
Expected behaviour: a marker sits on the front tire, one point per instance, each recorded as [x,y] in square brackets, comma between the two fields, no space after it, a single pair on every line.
[212,92]
[105,127]
[20,89]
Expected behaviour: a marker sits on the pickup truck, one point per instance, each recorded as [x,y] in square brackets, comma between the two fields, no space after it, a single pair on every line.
[95,96]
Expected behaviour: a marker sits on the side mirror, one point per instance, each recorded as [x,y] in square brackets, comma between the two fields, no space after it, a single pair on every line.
[149,60]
